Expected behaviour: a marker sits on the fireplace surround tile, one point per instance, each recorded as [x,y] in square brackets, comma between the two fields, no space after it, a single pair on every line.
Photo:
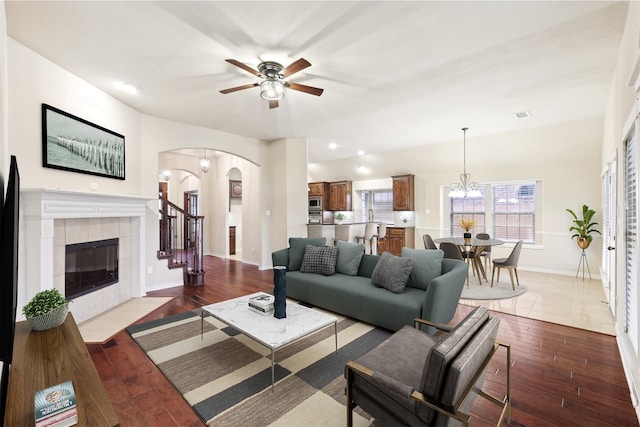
[54,218]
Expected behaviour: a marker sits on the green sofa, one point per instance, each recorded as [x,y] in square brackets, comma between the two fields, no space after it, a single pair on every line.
[431,291]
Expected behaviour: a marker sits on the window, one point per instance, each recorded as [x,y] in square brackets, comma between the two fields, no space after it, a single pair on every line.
[380,201]
[514,212]
[631,240]
[468,208]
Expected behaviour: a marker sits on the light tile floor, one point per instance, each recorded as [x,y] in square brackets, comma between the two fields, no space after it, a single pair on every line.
[102,327]
[559,299]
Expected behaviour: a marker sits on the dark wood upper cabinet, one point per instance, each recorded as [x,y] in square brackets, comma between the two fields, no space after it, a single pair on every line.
[318,188]
[340,196]
[403,193]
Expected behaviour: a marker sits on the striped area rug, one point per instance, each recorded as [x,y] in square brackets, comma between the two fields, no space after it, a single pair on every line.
[226,376]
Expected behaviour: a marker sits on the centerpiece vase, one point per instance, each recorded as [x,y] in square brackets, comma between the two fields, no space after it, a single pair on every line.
[280,291]
[467,237]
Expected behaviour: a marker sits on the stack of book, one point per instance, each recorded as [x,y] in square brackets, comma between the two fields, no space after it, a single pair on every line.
[262,303]
[56,406]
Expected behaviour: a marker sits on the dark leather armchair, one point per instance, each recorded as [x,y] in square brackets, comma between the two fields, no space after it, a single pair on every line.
[414,378]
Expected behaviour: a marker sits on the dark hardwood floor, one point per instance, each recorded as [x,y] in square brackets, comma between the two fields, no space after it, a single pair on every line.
[560,376]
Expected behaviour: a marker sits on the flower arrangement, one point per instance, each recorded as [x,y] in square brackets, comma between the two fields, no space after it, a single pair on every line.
[467,224]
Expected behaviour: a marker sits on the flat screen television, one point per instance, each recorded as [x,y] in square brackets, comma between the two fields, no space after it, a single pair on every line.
[9,262]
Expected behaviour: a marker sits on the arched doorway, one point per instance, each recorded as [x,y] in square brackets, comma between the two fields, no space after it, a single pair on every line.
[234,249]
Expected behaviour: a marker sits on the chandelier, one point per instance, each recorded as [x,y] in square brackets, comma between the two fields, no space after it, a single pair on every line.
[466,187]
[204,163]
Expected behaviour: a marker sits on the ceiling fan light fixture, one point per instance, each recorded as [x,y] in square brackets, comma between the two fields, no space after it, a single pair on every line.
[272,89]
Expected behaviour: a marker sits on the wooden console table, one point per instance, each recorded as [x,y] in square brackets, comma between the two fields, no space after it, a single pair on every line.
[45,358]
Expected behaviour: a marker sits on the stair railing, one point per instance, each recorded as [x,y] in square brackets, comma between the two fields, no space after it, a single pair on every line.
[181,241]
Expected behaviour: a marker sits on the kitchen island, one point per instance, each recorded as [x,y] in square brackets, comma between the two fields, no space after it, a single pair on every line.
[397,236]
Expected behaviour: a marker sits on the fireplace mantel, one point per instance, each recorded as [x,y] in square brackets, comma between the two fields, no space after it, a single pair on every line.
[53,203]
[42,207]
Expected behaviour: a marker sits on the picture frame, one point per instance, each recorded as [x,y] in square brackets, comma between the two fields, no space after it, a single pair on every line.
[235,189]
[73,144]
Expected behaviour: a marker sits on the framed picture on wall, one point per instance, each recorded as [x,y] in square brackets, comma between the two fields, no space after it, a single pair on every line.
[235,189]
[73,144]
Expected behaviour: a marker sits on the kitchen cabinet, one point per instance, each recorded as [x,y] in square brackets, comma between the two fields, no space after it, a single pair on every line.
[232,240]
[340,196]
[403,192]
[318,188]
[397,238]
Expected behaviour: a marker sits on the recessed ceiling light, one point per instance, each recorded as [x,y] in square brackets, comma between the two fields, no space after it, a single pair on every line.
[521,114]
[360,152]
[128,87]
[363,169]
[333,146]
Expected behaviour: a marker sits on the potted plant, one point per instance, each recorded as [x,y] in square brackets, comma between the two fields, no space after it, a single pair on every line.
[46,310]
[339,217]
[583,227]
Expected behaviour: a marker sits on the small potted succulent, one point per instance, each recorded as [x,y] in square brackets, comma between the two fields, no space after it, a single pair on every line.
[583,227]
[46,310]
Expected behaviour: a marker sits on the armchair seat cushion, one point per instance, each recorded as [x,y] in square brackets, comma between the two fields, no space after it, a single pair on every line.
[404,366]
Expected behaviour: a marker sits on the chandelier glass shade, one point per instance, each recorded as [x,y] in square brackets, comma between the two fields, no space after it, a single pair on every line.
[204,163]
[466,187]
[272,89]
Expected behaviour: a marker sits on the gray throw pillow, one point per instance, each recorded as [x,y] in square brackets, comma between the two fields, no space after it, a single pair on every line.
[392,272]
[349,257]
[321,260]
[297,246]
[427,266]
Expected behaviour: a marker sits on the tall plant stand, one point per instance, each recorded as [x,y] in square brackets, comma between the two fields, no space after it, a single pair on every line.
[583,262]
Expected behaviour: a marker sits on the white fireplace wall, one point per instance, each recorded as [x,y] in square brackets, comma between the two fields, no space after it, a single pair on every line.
[71,231]
[51,218]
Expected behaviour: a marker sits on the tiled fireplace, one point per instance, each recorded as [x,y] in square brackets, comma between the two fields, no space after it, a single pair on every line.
[55,218]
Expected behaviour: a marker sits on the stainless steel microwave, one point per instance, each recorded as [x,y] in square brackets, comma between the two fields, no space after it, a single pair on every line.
[315,203]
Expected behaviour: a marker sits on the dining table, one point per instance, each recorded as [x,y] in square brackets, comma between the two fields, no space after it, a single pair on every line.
[472,249]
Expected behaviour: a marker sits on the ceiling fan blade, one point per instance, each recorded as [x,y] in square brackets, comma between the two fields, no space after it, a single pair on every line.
[244,67]
[233,89]
[304,88]
[273,103]
[293,68]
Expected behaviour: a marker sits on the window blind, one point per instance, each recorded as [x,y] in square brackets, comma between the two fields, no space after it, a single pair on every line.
[631,240]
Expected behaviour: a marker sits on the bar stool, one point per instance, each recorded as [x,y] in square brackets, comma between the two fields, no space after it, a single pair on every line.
[369,231]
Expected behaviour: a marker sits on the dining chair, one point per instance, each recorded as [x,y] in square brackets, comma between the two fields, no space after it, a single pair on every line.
[486,252]
[379,236]
[452,251]
[428,242]
[510,263]
[369,231]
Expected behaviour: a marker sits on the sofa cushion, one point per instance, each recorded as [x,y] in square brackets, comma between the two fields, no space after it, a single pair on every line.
[349,257]
[297,246]
[320,260]
[392,272]
[427,266]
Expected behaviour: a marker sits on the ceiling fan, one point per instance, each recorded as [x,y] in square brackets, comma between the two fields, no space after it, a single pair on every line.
[273,83]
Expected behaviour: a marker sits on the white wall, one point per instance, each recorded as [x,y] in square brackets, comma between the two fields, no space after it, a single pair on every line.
[619,119]
[566,157]
[35,80]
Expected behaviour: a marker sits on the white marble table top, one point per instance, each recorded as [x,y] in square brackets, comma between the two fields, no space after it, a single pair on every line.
[266,329]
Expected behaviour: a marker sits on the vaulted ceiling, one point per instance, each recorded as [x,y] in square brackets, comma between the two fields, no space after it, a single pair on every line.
[395,74]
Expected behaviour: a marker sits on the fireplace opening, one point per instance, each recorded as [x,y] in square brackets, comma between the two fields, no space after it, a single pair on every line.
[90,266]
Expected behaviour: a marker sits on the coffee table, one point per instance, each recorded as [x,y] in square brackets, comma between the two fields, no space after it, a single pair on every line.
[273,333]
